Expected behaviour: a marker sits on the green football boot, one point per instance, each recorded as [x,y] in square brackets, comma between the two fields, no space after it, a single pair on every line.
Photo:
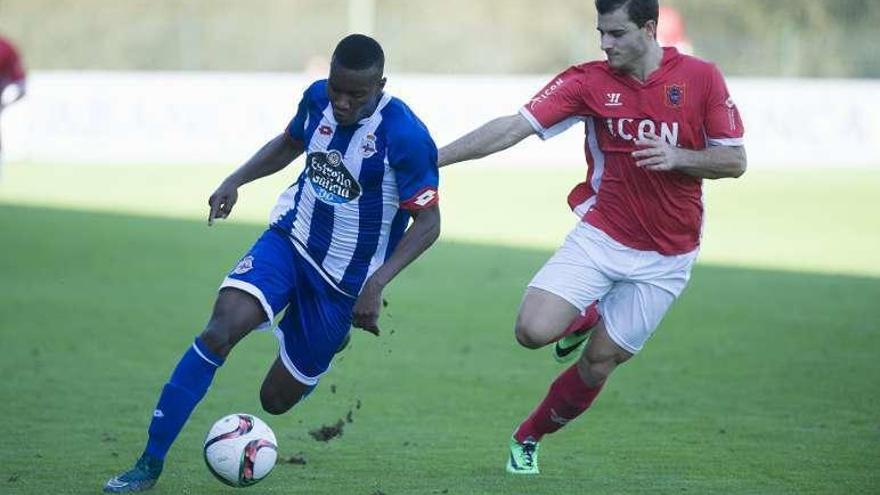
[140,478]
[568,348]
[523,457]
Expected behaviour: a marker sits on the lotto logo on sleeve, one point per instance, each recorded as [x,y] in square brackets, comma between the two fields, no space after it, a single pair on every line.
[427,197]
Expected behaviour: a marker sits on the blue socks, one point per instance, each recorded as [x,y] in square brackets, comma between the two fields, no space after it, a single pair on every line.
[188,384]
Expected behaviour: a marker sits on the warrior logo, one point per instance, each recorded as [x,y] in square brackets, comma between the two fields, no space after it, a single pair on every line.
[330,179]
[613,100]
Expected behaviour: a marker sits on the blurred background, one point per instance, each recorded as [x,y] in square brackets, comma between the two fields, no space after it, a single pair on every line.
[782,38]
[204,81]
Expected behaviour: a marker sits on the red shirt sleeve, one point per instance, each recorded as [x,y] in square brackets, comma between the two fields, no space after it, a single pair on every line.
[558,105]
[722,121]
[10,63]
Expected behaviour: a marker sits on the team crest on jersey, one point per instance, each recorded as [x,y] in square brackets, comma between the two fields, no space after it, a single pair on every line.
[675,95]
[368,145]
[330,179]
[245,265]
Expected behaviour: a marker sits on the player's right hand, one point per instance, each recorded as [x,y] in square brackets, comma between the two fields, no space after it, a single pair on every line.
[222,201]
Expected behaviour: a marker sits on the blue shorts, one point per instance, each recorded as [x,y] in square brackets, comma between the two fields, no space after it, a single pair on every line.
[318,315]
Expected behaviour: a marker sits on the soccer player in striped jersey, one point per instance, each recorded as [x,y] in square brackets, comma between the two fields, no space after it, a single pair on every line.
[337,236]
[657,123]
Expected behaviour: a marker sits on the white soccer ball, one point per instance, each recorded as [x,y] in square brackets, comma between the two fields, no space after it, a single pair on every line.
[240,450]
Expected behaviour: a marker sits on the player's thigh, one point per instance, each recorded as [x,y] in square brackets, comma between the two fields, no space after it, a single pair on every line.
[542,317]
[632,311]
[280,390]
[572,279]
[256,289]
[267,272]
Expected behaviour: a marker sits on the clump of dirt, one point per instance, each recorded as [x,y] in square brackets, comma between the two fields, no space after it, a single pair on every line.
[333,388]
[297,458]
[328,432]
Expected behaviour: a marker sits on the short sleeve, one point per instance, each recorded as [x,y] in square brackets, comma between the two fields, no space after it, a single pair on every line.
[296,129]
[413,156]
[558,105]
[722,121]
[16,69]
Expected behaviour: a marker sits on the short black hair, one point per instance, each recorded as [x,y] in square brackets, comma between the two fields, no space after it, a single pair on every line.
[359,52]
[639,11]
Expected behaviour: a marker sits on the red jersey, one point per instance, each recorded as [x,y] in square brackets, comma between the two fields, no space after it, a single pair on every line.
[685,102]
[11,69]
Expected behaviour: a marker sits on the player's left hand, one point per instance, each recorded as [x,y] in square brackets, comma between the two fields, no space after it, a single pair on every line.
[655,154]
[367,307]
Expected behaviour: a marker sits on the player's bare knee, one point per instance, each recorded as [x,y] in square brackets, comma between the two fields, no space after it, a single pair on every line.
[217,339]
[527,337]
[214,341]
[223,332]
[273,403]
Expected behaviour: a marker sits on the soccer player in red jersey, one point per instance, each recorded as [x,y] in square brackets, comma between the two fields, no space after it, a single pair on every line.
[12,77]
[657,123]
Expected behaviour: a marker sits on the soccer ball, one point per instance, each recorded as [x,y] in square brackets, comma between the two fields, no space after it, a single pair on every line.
[240,450]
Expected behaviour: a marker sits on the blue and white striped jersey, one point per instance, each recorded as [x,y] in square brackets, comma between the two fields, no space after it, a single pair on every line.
[350,205]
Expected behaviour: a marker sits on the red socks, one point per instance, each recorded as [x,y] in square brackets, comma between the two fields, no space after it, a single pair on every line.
[568,397]
[584,321]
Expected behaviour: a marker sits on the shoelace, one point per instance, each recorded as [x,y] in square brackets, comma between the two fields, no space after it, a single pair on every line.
[529,452]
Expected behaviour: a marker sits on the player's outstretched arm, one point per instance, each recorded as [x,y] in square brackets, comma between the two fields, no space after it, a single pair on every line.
[492,137]
[272,157]
[424,230]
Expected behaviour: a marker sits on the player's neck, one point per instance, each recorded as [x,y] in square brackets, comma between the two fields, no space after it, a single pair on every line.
[649,63]
[370,109]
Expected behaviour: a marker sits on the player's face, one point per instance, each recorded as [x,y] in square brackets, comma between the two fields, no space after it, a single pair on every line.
[624,43]
[353,93]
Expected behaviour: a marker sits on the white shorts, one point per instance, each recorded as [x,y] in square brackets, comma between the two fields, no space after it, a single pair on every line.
[634,288]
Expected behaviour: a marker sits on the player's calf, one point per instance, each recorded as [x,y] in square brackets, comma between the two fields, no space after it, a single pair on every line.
[601,357]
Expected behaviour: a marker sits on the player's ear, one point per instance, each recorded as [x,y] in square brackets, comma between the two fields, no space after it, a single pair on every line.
[650,28]
[381,84]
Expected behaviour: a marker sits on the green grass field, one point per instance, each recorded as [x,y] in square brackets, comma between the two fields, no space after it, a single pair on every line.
[764,378]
